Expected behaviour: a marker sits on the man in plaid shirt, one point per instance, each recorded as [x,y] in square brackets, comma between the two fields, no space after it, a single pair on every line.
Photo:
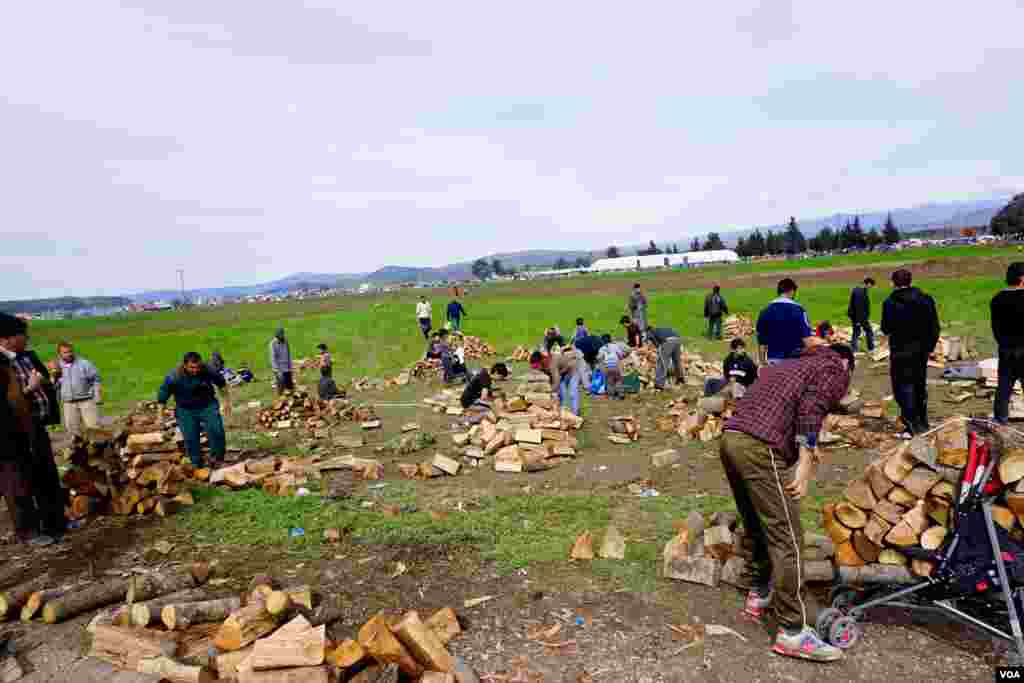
[769,452]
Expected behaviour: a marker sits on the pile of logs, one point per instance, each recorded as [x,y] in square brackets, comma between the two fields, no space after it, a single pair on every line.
[475,348]
[115,472]
[624,430]
[276,476]
[644,362]
[903,500]
[719,552]
[521,354]
[705,423]
[737,326]
[299,409]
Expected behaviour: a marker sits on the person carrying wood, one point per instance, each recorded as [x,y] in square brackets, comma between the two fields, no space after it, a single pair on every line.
[783,327]
[1007,308]
[637,306]
[911,321]
[79,390]
[281,362]
[195,407]
[714,308]
[565,380]
[859,312]
[769,453]
[669,345]
[32,488]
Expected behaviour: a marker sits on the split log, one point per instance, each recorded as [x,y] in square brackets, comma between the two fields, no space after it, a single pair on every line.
[889,511]
[875,574]
[301,674]
[347,654]
[84,600]
[376,638]
[180,615]
[244,626]
[219,476]
[175,672]
[901,496]
[1004,517]
[126,647]
[613,547]
[836,531]
[437,677]
[583,548]
[307,648]
[13,599]
[445,624]
[932,538]
[10,670]
[860,494]
[851,517]
[917,518]
[920,481]
[938,510]
[264,466]
[446,464]
[846,555]
[923,568]
[899,464]
[865,547]
[880,484]
[902,535]
[1011,469]
[149,586]
[895,558]
[227,663]
[718,543]
[422,643]
[1015,501]
[93,670]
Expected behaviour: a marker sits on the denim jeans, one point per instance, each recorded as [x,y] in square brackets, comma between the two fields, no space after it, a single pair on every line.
[192,421]
[569,392]
[715,327]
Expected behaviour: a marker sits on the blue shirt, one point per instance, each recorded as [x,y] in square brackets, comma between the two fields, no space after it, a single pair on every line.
[192,392]
[782,327]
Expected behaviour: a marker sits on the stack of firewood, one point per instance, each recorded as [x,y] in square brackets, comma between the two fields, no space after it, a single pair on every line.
[738,325]
[121,473]
[475,348]
[720,552]
[644,362]
[624,430]
[521,354]
[276,476]
[904,500]
[300,409]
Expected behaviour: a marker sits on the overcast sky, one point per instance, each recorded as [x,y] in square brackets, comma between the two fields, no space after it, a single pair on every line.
[248,140]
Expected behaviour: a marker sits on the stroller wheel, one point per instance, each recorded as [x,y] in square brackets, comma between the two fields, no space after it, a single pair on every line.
[826,618]
[844,633]
[843,598]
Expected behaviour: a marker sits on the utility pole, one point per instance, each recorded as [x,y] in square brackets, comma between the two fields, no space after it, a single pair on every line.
[181,280]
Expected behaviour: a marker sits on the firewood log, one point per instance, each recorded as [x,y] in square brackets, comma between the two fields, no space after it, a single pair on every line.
[301,674]
[876,529]
[938,510]
[902,535]
[922,568]
[875,574]
[348,653]
[917,518]
[901,496]
[13,599]
[1011,468]
[84,600]
[149,586]
[865,547]
[422,643]
[943,490]
[37,600]
[126,647]
[846,555]
[888,556]
[122,616]
[376,638]
[920,481]
[860,494]
[932,538]
[880,484]
[307,648]
[851,516]
[175,672]
[1004,517]
[244,626]
[279,601]
[889,511]
[445,624]
[178,616]
[835,530]
[899,464]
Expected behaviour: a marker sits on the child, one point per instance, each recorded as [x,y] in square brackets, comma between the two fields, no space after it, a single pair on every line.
[324,359]
[434,348]
[327,388]
[610,356]
[739,368]
[552,338]
[825,331]
[581,331]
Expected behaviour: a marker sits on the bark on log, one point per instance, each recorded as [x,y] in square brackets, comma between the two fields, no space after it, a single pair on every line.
[846,555]
[851,516]
[875,574]
[880,484]
[126,647]
[37,600]
[377,639]
[835,530]
[84,600]
[307,648]
[891,557]
[865,547]
[178,616]
[122,615]
[175,672]
[92,670]
[13,599]
[422,643]
[149,586]
[244,626]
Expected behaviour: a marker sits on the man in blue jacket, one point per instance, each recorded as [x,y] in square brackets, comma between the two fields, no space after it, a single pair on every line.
[783,326]
[196,407]
[455,314]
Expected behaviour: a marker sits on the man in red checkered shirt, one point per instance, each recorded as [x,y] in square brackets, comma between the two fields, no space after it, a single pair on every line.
[769,452]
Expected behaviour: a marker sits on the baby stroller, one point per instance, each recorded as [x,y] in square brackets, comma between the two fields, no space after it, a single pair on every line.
[978,576]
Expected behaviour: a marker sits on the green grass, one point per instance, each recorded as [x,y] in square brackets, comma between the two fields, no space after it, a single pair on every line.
[377,336]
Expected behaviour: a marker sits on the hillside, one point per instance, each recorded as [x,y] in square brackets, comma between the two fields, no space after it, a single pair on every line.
[65,303]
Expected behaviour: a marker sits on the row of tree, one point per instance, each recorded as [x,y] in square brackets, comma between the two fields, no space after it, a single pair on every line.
[483,269]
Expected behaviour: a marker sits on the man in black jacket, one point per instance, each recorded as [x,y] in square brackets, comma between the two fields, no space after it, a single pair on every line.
[1007,309]
[714,308]
[859,313]
[911,321]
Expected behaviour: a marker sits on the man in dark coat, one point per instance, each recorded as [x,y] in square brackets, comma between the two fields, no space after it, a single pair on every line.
[714,308]
[859,312]
[911,321]
[1007,310]
[40,514]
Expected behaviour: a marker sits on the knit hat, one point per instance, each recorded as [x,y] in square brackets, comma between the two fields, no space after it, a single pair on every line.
[12,326]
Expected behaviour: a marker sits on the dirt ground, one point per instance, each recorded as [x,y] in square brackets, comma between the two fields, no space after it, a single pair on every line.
[606,634]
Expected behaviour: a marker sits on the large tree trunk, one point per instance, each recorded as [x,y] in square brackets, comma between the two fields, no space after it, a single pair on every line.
[84,600]
[149,586]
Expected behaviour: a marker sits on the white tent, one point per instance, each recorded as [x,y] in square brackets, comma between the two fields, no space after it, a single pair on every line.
[691,258]
[703,258]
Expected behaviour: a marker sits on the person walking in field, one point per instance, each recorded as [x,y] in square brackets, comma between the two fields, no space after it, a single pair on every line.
[1007,308]
[196,409]
[423,315]
[455,313]
[281,362]
[669,345]
[770,455]
[637,306]
[714,308]
[28,474]
[911,321]
[859,312]
[783,328]
[79,390]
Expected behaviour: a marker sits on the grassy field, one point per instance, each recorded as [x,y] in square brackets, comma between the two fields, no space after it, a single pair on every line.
[375,336]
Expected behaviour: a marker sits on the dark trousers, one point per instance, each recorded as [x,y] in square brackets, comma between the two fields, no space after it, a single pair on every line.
[425,327]
[284,382]
[909,373]
[869,334]
[193,421]
[757,475]
[43,510]
[715,327]
[1011,370]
